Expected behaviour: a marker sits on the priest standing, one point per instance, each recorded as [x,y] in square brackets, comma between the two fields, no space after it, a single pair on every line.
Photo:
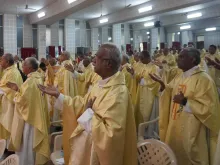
[11,74]
[190,112]
[29,135]
[105,132]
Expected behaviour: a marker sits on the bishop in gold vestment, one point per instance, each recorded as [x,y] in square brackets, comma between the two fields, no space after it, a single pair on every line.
[67,86]
[11,74]
[29,135]
[190,112]
[105,132]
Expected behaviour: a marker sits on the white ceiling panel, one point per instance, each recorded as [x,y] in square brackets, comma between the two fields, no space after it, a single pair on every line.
[105,7]
[18,6]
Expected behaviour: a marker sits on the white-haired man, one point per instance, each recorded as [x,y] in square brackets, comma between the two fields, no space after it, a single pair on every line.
[105,132]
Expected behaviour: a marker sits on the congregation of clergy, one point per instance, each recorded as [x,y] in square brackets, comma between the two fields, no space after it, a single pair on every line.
[101,100]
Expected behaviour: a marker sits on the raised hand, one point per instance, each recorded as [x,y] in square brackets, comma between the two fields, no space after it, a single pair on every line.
[217,60]
[159,80]
[90,103]
[69,67]
[130,70]
[210,61]
[159,64]
[50,90]
[13,86]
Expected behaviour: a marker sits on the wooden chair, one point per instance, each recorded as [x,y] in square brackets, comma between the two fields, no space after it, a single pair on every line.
[11,160]
[142,127]
[154,152]
[2,147]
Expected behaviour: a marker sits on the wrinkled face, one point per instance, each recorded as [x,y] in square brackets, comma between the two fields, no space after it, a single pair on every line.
[184,61]
[212,50]
[4,63]
[26,67]
[102,62]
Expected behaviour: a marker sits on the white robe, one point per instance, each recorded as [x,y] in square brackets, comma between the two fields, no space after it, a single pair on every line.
[26,154]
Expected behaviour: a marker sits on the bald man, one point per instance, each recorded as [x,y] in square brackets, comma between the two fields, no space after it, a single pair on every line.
[29,136]
[11,74]
[104,130]
[190,112]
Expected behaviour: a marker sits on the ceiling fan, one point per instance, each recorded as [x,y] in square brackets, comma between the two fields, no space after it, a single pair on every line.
[26,7]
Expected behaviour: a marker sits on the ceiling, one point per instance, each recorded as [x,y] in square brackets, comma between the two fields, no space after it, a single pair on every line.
[18,6]
[104,8]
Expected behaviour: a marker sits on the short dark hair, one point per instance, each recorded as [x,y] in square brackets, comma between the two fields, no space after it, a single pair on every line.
[213,46]
[146,54]
[194,53]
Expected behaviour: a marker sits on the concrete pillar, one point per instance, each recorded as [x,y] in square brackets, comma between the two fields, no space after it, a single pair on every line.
[27,34]
[94,40]
[54,28]
[105,34]
[154,39]
[10,33]
[41,39]
[117,35]
[69,36]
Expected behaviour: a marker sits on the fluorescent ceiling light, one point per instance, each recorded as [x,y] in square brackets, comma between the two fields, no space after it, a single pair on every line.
[148,33]
[103,20]
[210,29]
[178,33]
[144,9]
[71,1]
[42,14]
[194,15]
[185,27]
[149,24]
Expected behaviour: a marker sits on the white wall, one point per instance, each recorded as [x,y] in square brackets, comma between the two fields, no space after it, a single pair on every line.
[211,38]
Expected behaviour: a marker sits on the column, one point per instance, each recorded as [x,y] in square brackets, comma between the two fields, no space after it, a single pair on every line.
[177,37]
[117,35]
[41,38]
[82,25]
[154,39]
[127,35]
[10,33]
[105,35]
[27,34]
[69,39]
[186,36]
[162,35]
[136,40]
[54,34]
[169,40]
[94,40]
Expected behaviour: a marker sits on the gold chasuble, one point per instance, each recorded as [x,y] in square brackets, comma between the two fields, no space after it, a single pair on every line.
[67,86]
[130,82]
[84,80]
[146,93]
[191,131]
[31,107]
[113,137]
[214,73]
[11,74]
